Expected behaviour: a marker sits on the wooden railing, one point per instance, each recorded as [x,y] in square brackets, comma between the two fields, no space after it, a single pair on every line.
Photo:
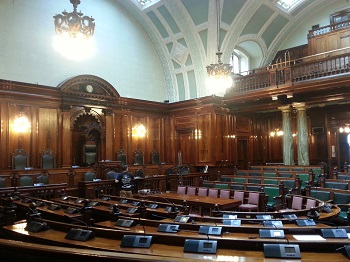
[292,71]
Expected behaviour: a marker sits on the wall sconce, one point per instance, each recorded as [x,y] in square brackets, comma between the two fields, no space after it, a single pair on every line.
[139,130]
[21,124]
[345,129]
[277,132]
[197,134]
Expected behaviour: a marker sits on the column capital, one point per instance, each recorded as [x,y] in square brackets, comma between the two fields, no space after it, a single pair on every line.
[299,106]
[286,109]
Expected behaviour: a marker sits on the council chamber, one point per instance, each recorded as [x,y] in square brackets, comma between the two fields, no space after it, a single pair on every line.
[242,159]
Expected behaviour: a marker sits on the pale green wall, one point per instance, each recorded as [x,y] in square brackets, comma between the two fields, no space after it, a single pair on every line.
[299,35]
[125,55]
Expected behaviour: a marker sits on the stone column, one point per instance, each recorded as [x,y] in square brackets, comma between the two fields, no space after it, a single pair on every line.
[288,152]
[303,139]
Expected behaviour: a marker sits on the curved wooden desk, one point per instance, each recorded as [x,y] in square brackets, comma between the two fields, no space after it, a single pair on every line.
[200,201]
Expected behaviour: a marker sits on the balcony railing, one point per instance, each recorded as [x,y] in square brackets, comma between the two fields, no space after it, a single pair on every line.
[292,71]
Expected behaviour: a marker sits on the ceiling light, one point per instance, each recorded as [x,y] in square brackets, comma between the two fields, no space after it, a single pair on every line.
[219,74]
[74,32]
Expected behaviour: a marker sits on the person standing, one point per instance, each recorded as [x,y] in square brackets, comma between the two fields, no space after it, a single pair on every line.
[125,181]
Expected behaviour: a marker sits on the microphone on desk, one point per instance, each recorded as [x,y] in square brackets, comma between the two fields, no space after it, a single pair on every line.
[173,207]
[78,233]
[81,222]
[33,225]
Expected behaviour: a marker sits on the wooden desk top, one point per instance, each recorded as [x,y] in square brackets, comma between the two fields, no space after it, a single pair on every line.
[110,249]
[195,200]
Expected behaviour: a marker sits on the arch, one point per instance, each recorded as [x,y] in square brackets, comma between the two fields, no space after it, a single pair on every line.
[88,86]
[86,112]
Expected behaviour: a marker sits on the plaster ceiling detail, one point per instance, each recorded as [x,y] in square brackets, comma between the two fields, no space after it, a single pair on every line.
[256,27]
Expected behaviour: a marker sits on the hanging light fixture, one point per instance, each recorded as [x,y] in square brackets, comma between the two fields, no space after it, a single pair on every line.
[74,33]
[219,74]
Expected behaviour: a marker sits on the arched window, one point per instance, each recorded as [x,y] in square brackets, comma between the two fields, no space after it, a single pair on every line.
[239,62]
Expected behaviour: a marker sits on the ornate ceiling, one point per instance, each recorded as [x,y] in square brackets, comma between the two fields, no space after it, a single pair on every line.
[184,35]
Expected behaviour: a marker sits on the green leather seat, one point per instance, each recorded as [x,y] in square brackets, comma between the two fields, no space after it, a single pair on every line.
[89,176]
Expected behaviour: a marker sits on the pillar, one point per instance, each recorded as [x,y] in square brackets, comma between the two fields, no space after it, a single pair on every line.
[288,152]
[303,139]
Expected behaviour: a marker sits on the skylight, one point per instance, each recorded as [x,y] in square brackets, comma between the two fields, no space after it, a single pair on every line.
[288,5]
[144,2]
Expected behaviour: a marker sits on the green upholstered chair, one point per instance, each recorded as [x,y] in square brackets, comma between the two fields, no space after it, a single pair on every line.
[268,168]
[90,152]
[343,177]
[274,201]
[20,159]
[2,182]
[239,180]
[242,173]
[341,198]
[304,178]
[236,187]
[207,184]
[121,156]
[89,176]
[270,182]
[298,169]
[155,158]
[254,180]
[138,157]
[111,175]
[253,188]
[254,173]
[321,195]
[255,168]
[336,185]
[269,174]
[221,186]
[42,179]
[25,181]
[290,184]
[285,174]
[139,173]
[225,179]
[47,160]
[282,168]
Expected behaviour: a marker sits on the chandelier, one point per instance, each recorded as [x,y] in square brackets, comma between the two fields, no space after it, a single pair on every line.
[219,74]
[74,32]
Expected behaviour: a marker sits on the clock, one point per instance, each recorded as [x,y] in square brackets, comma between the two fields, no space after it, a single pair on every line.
[89,88]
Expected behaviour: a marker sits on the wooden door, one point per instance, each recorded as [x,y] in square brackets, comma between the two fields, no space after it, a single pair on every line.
[185,147]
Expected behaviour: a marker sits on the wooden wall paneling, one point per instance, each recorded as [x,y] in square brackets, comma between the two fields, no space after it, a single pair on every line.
[220,139]
[154,137]
[20,139]
[185,126]
[66,145]
[276,142]
[344,39]
[233,141]
[169,140]
[108,140]
[138,143]
[122,136]
[47,132]
[4,139]
[202,136]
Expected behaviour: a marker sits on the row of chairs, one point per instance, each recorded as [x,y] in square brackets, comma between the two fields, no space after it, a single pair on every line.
[250,204]
[203,191]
